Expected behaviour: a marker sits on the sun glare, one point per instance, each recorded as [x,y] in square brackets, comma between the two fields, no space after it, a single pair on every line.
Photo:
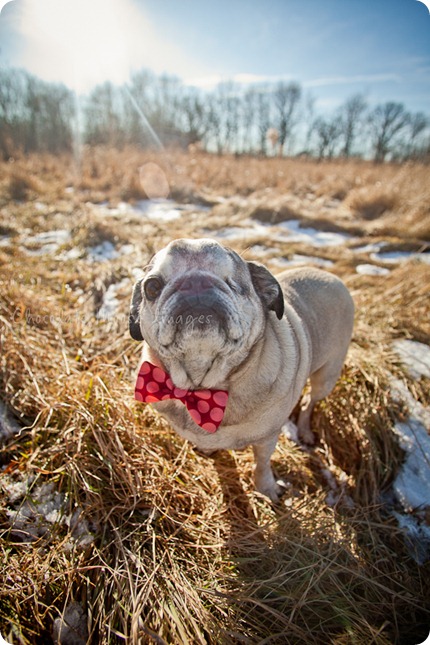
[81,42]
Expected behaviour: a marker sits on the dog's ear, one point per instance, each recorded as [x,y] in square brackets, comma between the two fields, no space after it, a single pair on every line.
[267,287]
[134,316]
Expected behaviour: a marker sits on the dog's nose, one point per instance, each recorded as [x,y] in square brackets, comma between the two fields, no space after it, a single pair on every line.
[195,283]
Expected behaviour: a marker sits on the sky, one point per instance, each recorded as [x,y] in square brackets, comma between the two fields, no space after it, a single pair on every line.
[333,48]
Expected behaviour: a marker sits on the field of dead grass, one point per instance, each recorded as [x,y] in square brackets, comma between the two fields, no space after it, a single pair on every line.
[112,523]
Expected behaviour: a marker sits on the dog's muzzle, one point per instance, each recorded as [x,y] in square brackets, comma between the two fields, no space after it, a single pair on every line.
[200,303]
[197,296]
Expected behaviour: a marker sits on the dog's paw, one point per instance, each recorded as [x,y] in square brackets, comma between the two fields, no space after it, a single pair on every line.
[306,436]
[274,491]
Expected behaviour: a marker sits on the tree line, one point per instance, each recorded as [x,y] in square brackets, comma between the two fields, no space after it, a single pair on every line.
[150,110]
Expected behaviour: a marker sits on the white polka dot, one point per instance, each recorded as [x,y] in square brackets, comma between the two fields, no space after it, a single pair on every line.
[196,417]
[216,414]
[209,427]
[158,375]
[203,407]
[220,398]
[203,394]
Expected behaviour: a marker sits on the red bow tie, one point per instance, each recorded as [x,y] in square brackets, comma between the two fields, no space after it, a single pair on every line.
[206,407]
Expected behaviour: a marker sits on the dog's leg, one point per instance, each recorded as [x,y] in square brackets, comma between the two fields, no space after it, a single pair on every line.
[322,382]
[265,481]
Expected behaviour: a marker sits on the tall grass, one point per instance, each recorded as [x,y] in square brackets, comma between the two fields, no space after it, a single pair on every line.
[180,548]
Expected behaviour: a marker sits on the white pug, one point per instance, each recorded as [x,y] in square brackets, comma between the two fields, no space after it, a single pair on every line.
[212,321]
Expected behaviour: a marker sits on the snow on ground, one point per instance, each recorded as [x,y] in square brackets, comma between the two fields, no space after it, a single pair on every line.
[46,242]
[159,210]
[411,487]
[394,257]
[167,210]
[36,509]
[414,356]
[373,247]
[162,210]
[290,231]
[110,301]
[313,237]
[301,260]
[252,230]
[107,251]
[371,269]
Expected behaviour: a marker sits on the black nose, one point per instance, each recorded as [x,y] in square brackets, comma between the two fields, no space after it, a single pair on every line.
[195,283]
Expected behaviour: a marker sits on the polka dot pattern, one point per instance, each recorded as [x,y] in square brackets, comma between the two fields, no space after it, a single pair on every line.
[206,407]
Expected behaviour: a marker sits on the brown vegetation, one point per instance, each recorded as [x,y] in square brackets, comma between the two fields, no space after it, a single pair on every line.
[180,548]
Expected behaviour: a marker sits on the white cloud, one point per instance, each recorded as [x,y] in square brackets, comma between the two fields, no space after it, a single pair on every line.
[350,80]
[210,81]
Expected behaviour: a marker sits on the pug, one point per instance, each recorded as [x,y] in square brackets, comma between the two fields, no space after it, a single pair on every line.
[228,348]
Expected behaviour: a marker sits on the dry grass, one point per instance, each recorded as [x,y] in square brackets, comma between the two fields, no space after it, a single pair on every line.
[183,549]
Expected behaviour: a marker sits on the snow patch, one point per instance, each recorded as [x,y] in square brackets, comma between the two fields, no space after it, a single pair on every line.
[371,269]
[107,251]
[415,357]
[241,232]
[46,242]
[110,301]
[411,486]
[35,510]
[158,210]
[302,260]
[395,257]
[312,236]
[373,247]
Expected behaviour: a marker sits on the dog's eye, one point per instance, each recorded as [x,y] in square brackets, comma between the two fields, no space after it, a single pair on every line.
[153,288]
[232,284]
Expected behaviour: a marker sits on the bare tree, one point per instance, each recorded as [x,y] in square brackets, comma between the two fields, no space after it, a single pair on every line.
[166,109]
[351,119]
[328,133]
[309,119]
[137,108]
[103,116]
[214,133]
[249,107]
[286,97]
[263,118]
[385,123]
[418,123]
[193,109]
[12,117]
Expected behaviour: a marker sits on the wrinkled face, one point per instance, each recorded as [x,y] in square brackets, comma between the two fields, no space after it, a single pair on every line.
[199,309]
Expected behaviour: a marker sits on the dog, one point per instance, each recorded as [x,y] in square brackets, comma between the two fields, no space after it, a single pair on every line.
[218,327]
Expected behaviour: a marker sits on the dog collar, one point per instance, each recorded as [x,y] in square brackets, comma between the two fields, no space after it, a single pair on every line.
[206,407]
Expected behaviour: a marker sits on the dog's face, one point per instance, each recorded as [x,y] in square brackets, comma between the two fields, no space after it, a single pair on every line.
[201,308]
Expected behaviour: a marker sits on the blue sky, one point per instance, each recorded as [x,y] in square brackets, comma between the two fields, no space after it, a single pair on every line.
[334,48]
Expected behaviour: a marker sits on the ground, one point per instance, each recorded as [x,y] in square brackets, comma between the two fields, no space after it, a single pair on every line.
[113,527]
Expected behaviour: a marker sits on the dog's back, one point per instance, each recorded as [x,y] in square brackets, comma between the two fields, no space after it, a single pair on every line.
[325,307]
[326,310]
